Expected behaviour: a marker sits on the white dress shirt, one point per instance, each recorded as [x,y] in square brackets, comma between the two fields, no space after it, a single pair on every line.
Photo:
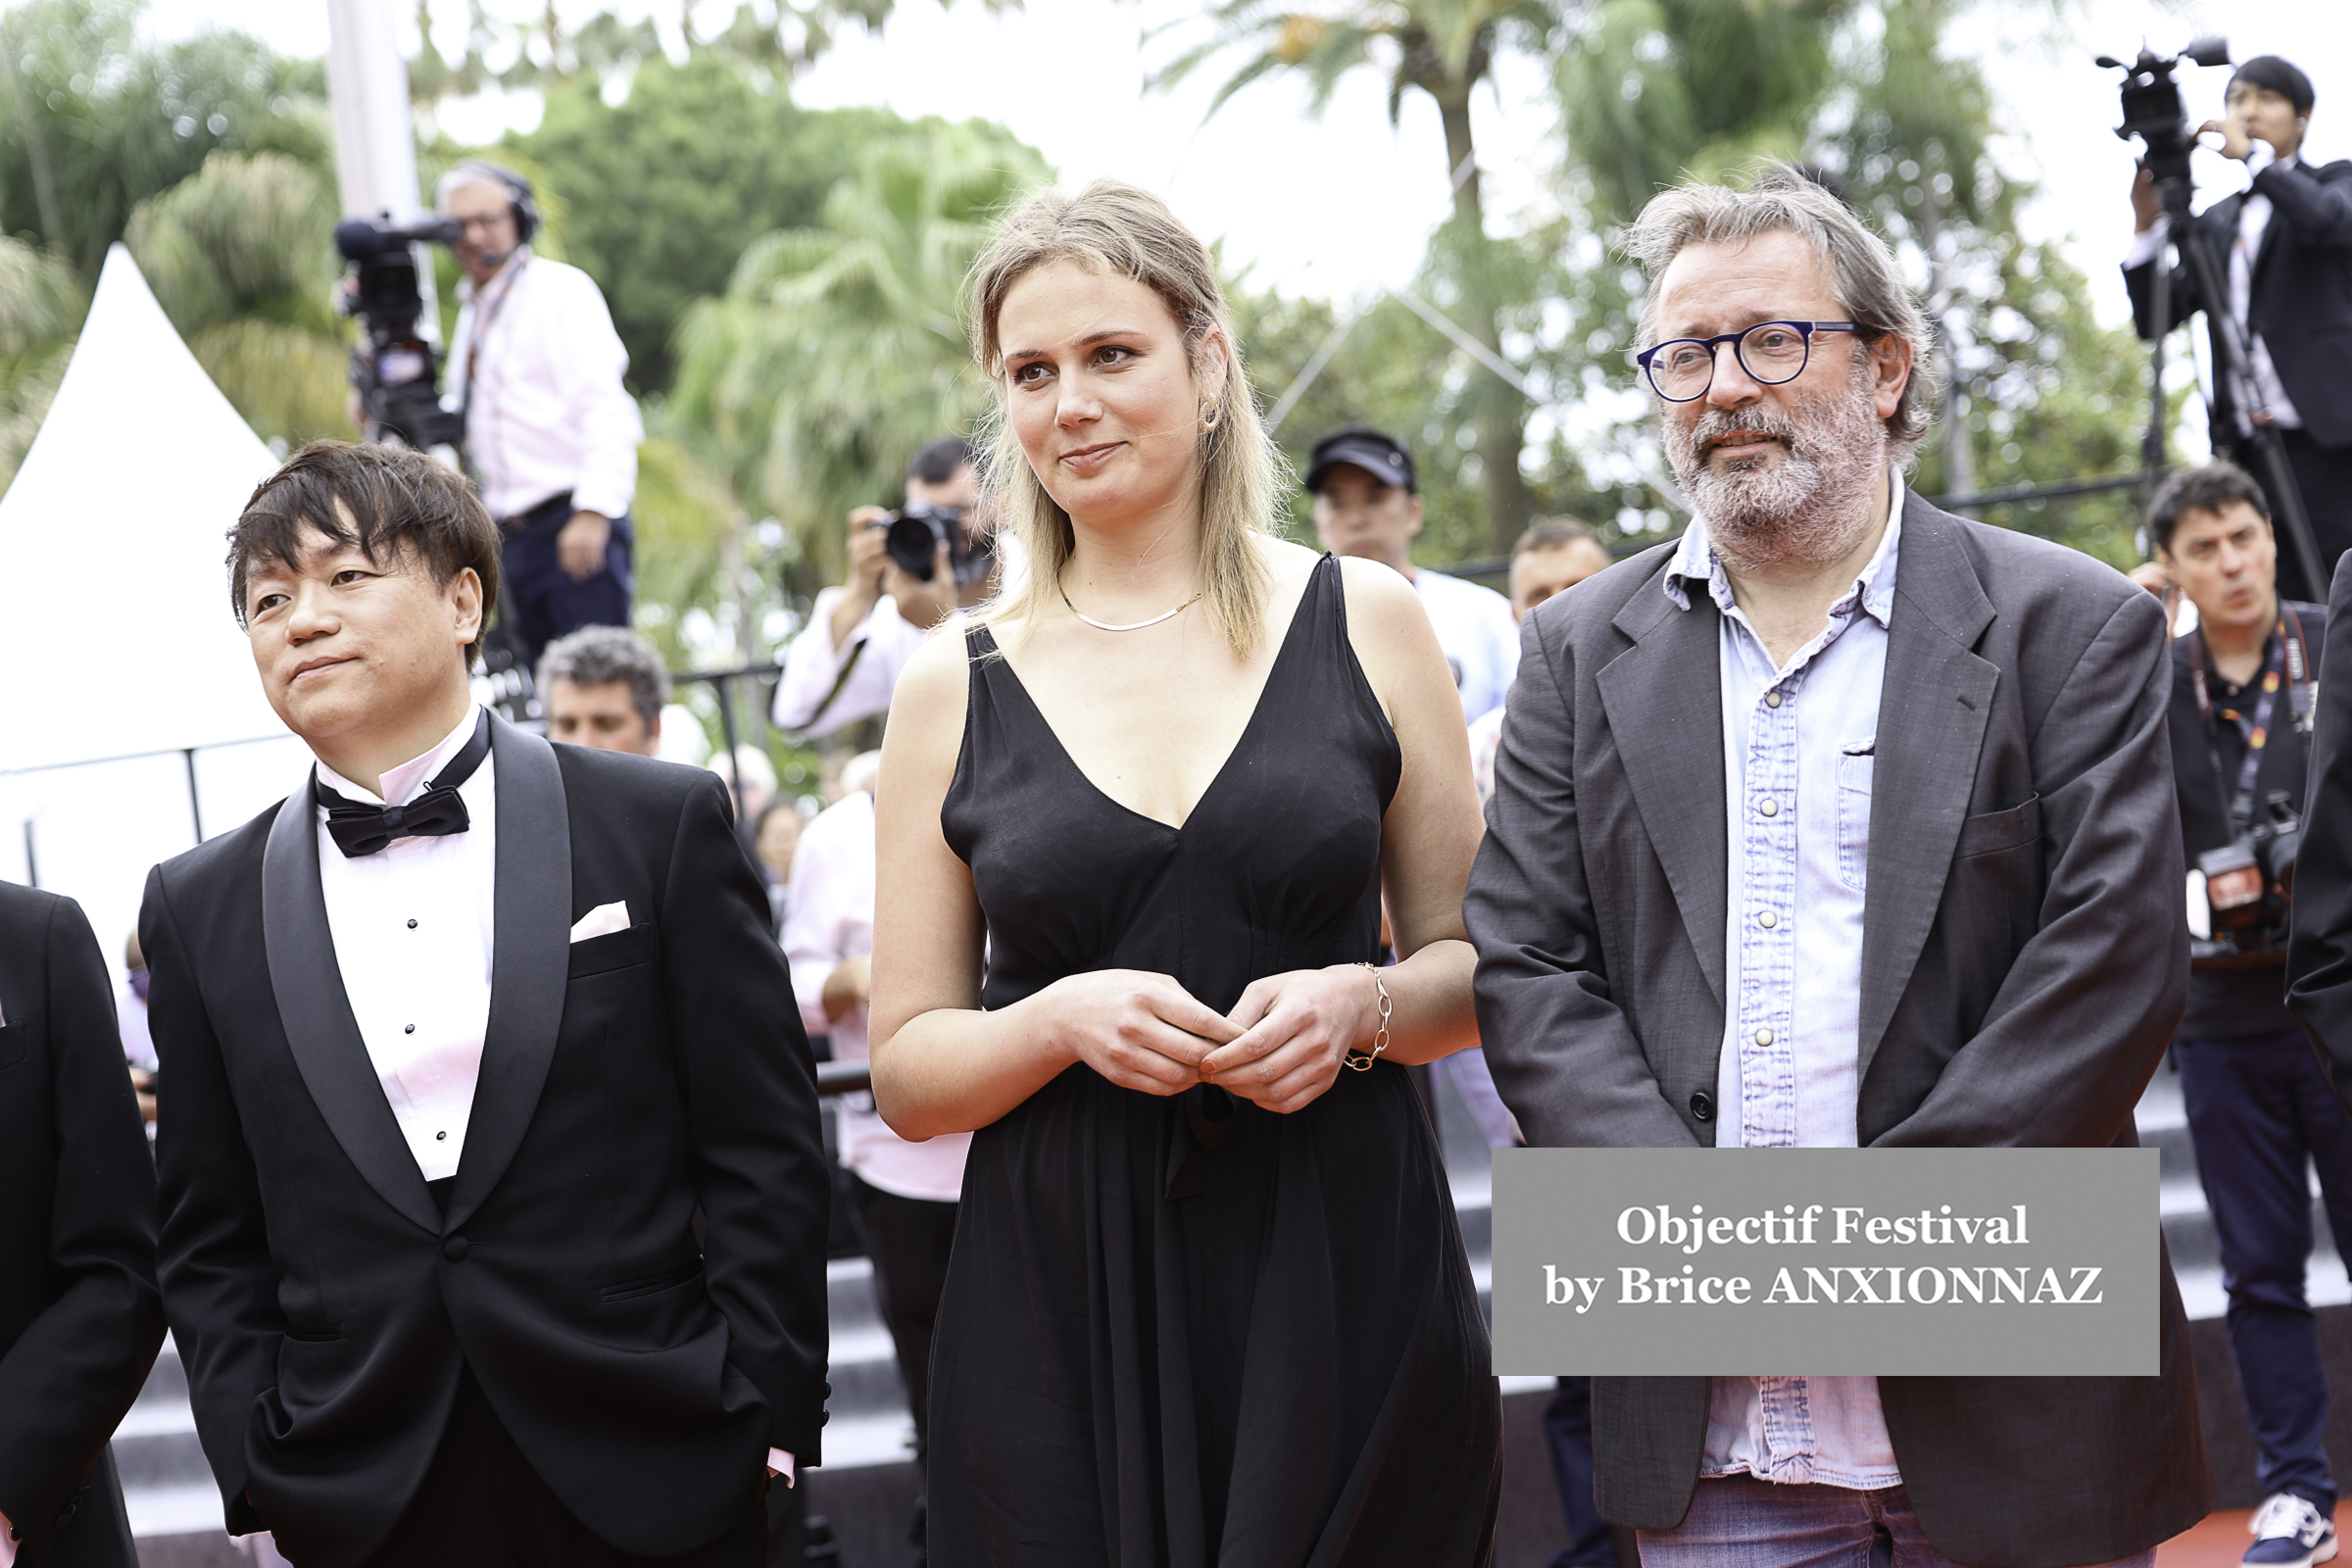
[831,919]
[537,368]
[414,929]
[2253,218]
[881,644]
[1478,636]
[1799,746]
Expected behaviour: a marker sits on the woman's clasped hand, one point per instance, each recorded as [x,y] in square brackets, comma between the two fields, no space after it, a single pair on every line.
[1280,1047]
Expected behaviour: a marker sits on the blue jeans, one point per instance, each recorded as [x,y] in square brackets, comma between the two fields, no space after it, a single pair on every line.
[1741,1521]
[2263,1114]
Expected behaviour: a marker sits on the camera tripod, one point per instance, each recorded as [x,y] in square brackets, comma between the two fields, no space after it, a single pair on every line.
[2232,365]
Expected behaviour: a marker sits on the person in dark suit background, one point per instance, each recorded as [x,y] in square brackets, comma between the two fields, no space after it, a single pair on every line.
[79,1317]
[2285,247]
[1841,822]
[493,1198]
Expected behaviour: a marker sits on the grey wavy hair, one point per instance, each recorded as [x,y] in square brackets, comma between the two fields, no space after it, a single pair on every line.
[1863,271]
[597,655]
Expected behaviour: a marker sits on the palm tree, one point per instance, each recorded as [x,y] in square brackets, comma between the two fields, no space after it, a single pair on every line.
[241,257]
[1443,48]
[838,351]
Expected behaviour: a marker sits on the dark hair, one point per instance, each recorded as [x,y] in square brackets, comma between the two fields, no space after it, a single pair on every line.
[2206,489]
[1554,534]
[2282,76]
[936,462]
[598,655]
[380,499]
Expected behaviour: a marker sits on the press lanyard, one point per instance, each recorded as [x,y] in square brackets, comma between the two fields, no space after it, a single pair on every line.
[485,321]
[2285,648]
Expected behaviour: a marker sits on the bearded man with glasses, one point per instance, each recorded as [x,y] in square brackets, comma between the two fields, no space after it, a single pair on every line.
[1839,821]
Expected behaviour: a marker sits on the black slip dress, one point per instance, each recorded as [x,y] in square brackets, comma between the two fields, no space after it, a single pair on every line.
[1184,1332]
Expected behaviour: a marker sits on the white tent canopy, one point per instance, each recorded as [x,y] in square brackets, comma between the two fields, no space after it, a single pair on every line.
[116,636]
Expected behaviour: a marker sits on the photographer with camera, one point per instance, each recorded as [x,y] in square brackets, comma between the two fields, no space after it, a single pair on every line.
[910,569]
[2285,244]
[551,434]
[2244,685]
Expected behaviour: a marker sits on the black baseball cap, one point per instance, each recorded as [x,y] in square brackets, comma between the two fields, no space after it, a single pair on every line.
[1381,457]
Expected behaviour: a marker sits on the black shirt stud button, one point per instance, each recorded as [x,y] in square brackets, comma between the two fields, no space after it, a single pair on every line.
[408,1029]
[454,1248]
[1702,1106]
[411,925]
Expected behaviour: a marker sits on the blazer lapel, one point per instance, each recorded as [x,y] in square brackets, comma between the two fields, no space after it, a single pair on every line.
[531,957]
[316,1015]
[1664,700]
[1933,709]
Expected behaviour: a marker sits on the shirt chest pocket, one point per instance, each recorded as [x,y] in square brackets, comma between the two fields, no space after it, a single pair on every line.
[1857,760]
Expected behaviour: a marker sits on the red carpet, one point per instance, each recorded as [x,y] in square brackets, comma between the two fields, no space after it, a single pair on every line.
[2218,1542]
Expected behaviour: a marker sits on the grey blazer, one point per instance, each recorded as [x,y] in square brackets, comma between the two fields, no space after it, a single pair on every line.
[2023,967]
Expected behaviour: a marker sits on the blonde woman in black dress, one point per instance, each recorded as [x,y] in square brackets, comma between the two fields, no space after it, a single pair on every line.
[1208,1305]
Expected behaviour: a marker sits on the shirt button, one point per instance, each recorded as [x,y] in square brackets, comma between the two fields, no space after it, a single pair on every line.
[411,925]
[409,1029]
[1769,807]
[443,1138]
[1767,920]
[1772,699]
[1763,1037]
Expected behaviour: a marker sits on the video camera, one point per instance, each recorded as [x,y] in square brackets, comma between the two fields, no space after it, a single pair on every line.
[913,538]
[2152,108]
[2249,886]
[396,369]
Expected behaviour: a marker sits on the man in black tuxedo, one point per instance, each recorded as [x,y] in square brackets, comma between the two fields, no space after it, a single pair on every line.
[79,1316]
[493,1198]
[2284,246]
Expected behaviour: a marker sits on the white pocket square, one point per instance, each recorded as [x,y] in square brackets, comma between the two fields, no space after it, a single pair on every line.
[603,920]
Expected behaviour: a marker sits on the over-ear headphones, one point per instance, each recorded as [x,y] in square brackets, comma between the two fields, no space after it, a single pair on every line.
[518,192]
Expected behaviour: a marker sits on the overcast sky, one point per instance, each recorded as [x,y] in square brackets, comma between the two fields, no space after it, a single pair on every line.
[1343,204]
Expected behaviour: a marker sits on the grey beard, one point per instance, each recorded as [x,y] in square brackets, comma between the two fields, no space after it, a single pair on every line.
[1809,509]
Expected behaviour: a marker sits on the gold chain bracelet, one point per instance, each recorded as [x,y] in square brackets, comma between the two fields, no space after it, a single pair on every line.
[1362,1060]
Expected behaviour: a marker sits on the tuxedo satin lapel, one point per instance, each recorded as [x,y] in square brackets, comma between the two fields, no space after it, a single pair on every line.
[1664,700]
[1934,704]
[531,957]
[316,1015]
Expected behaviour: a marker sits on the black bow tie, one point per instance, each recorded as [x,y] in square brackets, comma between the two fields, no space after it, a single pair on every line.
[359,829]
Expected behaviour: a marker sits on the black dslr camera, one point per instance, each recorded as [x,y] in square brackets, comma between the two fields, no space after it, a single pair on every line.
[914,536]
[2249,885]
[397,370]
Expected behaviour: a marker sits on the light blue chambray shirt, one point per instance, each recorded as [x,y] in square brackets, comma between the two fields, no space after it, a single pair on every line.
[1799,746]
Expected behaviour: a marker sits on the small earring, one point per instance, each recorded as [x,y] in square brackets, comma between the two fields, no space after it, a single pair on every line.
[1211,418]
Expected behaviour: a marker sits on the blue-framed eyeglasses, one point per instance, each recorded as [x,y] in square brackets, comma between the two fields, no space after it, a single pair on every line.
[1770,352]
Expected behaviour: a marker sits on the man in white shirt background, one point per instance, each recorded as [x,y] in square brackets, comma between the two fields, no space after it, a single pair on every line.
[493,1201]
[844,664]
[906,1193]
[2284,245]
[1368,504]
[551,432]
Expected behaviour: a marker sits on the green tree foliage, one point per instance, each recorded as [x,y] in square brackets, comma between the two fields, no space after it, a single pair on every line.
[665,190]
[838,349]
[93,122]
[41,306]
[241,257]
[1443,48]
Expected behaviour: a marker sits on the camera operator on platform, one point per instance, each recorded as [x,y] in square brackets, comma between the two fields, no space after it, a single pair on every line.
[2259,1105]
[551,434]
[845,664]
[2286,244]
